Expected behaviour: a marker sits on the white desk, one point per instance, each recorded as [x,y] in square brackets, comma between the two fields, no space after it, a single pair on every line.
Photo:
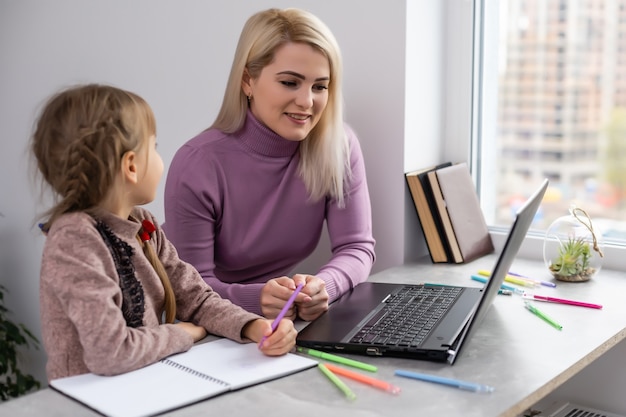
[523,357]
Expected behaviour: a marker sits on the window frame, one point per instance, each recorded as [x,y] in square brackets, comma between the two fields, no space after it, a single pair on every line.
[470,95]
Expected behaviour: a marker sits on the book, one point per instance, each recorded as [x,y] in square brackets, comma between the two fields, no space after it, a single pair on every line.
[204,371]
[421,194]
[447,231]
[463,209]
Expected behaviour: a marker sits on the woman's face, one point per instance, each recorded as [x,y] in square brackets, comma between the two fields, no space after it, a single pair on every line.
[291,93]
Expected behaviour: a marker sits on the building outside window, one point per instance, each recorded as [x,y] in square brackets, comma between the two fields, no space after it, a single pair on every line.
[560,110]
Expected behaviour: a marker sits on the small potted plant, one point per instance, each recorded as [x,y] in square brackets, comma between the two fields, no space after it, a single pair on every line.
[13,382]
[571,249]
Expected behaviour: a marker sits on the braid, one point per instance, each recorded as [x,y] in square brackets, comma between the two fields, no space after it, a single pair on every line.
[170,299]
[79,140]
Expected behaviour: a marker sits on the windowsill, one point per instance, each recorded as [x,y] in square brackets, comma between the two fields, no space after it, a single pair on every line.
[532,249]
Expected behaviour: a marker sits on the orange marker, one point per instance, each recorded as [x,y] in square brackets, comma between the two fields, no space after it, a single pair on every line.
[385,386]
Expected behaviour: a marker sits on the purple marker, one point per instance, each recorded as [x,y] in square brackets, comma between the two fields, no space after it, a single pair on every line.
[544,283]
[283,311]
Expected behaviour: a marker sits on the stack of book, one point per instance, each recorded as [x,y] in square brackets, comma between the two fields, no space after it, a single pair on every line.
[449,211]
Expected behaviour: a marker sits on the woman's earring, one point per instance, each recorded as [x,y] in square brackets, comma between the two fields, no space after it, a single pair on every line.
[249,97]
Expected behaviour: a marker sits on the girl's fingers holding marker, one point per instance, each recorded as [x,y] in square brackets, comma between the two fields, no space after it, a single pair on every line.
[281,341]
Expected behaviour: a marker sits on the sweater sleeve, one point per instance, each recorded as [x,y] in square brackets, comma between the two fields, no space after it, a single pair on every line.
[350,231]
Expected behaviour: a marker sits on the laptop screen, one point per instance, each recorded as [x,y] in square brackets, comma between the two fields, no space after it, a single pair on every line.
[523,219]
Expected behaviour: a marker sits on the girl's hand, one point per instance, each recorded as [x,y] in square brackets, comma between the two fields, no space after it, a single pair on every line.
[275,294]
[281,341]
[316,302]
[196,332]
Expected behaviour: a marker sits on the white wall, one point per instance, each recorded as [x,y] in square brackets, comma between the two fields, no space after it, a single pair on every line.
[177,56]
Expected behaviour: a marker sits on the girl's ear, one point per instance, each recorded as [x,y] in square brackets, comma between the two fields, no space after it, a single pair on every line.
[129,167]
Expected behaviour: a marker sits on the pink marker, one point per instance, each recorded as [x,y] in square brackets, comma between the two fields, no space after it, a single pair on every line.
[561,301]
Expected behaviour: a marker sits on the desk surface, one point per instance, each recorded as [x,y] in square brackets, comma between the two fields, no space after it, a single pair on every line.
[523,357]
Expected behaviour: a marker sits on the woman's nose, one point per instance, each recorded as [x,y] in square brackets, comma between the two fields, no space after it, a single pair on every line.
[304,98]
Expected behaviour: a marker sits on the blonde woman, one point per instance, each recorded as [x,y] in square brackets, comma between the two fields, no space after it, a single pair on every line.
[247,199]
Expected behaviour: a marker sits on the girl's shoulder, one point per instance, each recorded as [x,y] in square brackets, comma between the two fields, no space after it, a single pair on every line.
[74,221]
[71,230]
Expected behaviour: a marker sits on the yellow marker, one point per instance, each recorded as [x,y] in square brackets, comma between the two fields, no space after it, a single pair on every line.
[510,278]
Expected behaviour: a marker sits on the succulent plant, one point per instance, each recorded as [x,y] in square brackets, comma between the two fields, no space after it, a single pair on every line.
[573,260]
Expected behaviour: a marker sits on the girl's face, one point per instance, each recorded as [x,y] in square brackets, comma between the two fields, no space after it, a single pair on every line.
[291,93]
[150,171]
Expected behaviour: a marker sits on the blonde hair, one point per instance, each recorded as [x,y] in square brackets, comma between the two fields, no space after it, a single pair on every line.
[79,140]
[324,154]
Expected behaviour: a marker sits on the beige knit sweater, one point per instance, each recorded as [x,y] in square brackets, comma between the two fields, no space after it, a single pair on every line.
[84,329]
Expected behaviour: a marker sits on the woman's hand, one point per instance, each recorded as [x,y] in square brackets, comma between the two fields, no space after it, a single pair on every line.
[316,302]
[277,343]
[196,332]
[275,294]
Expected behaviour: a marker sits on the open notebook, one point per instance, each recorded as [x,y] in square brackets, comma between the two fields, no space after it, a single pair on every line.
[204,371]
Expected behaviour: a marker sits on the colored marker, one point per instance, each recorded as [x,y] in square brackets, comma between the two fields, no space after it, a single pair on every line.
[544,283]
[561,301]
[377,383]
[541,315]
[338,359]
[502,287]
[513,280]
[338,382]
[464,385]
[512,277]
[283,311]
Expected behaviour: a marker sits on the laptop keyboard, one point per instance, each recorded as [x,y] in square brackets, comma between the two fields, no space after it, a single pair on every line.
[408,317]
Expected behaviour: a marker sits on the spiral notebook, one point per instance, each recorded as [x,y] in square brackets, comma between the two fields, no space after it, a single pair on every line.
[204,371]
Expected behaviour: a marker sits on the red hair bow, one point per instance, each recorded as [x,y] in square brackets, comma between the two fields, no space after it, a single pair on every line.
[146,230]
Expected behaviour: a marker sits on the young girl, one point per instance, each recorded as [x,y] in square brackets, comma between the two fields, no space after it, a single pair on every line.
[112,285]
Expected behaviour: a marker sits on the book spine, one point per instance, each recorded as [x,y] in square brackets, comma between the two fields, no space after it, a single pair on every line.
[432,205]
[425,216]
[191,371]
[442,209]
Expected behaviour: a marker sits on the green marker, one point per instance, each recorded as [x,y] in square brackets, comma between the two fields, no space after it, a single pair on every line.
[338,359]
[541,315]
[338,382]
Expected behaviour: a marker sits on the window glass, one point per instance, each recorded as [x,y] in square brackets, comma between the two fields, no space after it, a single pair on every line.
[561,111]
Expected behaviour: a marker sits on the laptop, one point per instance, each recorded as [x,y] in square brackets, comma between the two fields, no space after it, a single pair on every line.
[416,321]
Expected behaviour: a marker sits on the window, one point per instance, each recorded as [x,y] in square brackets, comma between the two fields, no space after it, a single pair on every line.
[548,102]
[504,125]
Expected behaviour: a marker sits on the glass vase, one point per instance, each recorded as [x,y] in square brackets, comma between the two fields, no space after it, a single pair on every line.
[572,251]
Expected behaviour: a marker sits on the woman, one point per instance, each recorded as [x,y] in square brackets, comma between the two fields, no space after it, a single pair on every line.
[246,200]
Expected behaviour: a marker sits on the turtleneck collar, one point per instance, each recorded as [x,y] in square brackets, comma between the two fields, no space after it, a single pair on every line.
[262,140]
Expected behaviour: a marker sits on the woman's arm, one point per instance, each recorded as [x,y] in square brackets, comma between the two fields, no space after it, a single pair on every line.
[350,231]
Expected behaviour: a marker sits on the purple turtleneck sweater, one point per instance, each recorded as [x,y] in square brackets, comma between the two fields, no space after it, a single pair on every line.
[236,209]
